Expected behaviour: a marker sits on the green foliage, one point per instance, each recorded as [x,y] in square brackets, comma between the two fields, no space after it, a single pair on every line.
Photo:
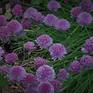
[82,83]
[3,82]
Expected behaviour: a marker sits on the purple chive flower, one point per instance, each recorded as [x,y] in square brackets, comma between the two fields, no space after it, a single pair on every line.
[11,57]
[75,11]
[81,18]
[4,69]
[3,20]
[16,73]
[63,74]
[53,5]
[56,84]
[86,5]
[17,10]
[45,87]
[44,41]
[62,24]
[33,14]
[88,46]
[26,23]
[5,33]
[39,61]
[38,17]
[45,73]
[31,90]
[15,26]
[86,61]
[30,80]
[75,66]
[29,46]
[30,12]
[50,20]
[57,51]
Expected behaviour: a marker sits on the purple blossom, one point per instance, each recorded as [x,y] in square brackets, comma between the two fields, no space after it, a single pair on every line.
[16,73]
[3,20]
[81,18]
[45,73]
[75,11]
[29,46]
[26,23]
[88,46]
[14,26]
[56,84]
[62,24]
[57,51]
[17,10]
[75,66]
[45,87]
[30,80]
[44,41]
[30,13]
[5,33]
[86,5]
[4,69]
[11,58]
[33,14]
[50,20]
[86,61]
[39,17]
[63,74]
[53,5]
[39,61]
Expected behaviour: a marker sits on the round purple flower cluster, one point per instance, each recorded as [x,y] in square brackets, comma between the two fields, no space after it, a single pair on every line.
[63,74]
[29,46]
[57,51]
[11,58]
[81,18]
[44,41]
[16,73]
[26,23]
[17,10]
[32,13]
[30,80]
[56,84]
[88,46]
[39,61]
[62,24]
[14,26]
[75,11]
[45,73]
[50,20]
[87,5]
[86,61]
[53,5]
[75,67]
[45,87]
[5,33]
